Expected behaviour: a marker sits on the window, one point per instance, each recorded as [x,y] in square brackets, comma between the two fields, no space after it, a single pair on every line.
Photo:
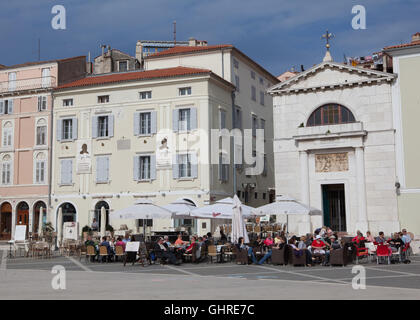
[238,118]
[144,95]
[41,132]
[145,168]
[184,165]
[102,169]
[40,168]
[6,106]
[148,222]
[122,66]
[7,135]
[185,91]
[265,165]
[12,81]
[262,95]
[235,63]
[67,102]
[262,126]
[253,93]
[103,99]
[256,195]
[42,103]
[330,114]
[103,126]
[66,171]
[66,129]
[223,168]
[67,133]
[184,120]
[222,119]
[261,81]
[253,75]
[145,123]
[237,82]
[254,126]
[6,169]
[46,77]
[264,196]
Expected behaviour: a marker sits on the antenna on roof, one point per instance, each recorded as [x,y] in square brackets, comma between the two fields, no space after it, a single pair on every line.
[174,33]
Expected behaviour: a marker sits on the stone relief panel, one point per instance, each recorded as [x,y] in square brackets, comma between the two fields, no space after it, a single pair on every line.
[331,162]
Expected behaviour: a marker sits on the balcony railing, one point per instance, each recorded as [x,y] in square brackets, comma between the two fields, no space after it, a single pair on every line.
[27,84]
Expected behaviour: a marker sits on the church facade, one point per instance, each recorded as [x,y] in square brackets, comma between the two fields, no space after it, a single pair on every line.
[334,147]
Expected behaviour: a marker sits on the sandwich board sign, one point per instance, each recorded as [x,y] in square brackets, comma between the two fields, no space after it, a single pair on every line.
[132,246]
[70,230]
[20,233]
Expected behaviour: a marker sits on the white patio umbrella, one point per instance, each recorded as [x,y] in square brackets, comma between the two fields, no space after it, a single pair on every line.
[222,209]
[238,223]
[59,225]
[288,206]
[180,208]
[142,209]
[103,221]
[41,213]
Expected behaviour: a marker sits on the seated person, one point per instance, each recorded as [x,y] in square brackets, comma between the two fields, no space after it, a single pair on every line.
[406,238]
[319,247]
[396,242]
[210,239]
[90,242]
[120,243]
[381,238]
[258,242]
[299,251]
[359,239]
[302,246]
[167,242]
[242,246]
[269,242]
[105,243]
[335,244]
[162,252]
[179,242]
[369,237]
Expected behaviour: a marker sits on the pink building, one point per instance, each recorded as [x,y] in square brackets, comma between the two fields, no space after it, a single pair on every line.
[25,139]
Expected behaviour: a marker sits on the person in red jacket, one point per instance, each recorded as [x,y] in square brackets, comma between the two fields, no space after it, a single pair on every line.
[357,239]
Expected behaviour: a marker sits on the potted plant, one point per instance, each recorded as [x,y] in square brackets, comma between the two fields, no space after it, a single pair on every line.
[47,231]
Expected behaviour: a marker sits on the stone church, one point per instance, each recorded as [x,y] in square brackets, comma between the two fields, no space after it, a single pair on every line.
[334,147]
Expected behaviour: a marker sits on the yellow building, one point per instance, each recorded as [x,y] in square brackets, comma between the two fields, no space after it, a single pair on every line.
[406,112]
[115,136]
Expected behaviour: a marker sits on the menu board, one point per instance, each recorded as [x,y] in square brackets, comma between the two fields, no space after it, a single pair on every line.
[20,233]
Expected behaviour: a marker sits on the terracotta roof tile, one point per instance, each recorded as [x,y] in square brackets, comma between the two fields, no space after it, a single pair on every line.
[405,45]
[188,49]
[132,76]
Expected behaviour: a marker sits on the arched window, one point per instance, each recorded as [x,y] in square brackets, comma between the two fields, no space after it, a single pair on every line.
[330,114]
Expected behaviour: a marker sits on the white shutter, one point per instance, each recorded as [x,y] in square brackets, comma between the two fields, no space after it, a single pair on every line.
[74,128]
[59,129]
[153,116]
[194,166]
[94,127]
[102,169]
[111,125]
[136,125]
[136,168]
[193,118]
[175,166]
[10,107]
[175,120]
[152,167]
[66,171]
[1,106]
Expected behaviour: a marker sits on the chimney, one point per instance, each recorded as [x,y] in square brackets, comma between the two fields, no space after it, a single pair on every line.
[103,49]
[192,42]
[415,37]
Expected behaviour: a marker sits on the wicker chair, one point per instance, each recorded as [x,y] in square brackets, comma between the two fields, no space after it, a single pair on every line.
[212,252]
[90,252]
[278,256]
[338,257]
[241,256]
[297,260]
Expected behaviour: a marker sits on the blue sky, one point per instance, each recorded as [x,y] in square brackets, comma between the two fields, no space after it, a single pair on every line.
[278,34]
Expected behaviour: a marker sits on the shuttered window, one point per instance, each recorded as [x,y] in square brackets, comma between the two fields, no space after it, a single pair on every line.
[102,169]
[66,171]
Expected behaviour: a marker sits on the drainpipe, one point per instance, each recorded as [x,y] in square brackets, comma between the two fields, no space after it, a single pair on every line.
[233,127]
[51,152]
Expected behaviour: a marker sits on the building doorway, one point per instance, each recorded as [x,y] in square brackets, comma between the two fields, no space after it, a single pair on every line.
[36,213]
[97,214]
[22,215]
[334,205]
[6,221]
[69,212]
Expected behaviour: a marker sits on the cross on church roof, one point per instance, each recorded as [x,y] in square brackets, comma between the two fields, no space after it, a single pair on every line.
[327,36]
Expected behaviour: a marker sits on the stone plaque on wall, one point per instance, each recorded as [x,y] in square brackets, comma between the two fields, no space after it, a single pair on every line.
[331,162]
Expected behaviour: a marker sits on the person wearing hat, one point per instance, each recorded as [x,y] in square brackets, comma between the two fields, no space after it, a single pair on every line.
[335,244]
[318,247]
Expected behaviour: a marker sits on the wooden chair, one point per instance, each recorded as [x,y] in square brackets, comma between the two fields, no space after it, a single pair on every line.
[103,252]
[119,252]
[90,252]
[241,256]
[228,253]
[82,251]
[212,252]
